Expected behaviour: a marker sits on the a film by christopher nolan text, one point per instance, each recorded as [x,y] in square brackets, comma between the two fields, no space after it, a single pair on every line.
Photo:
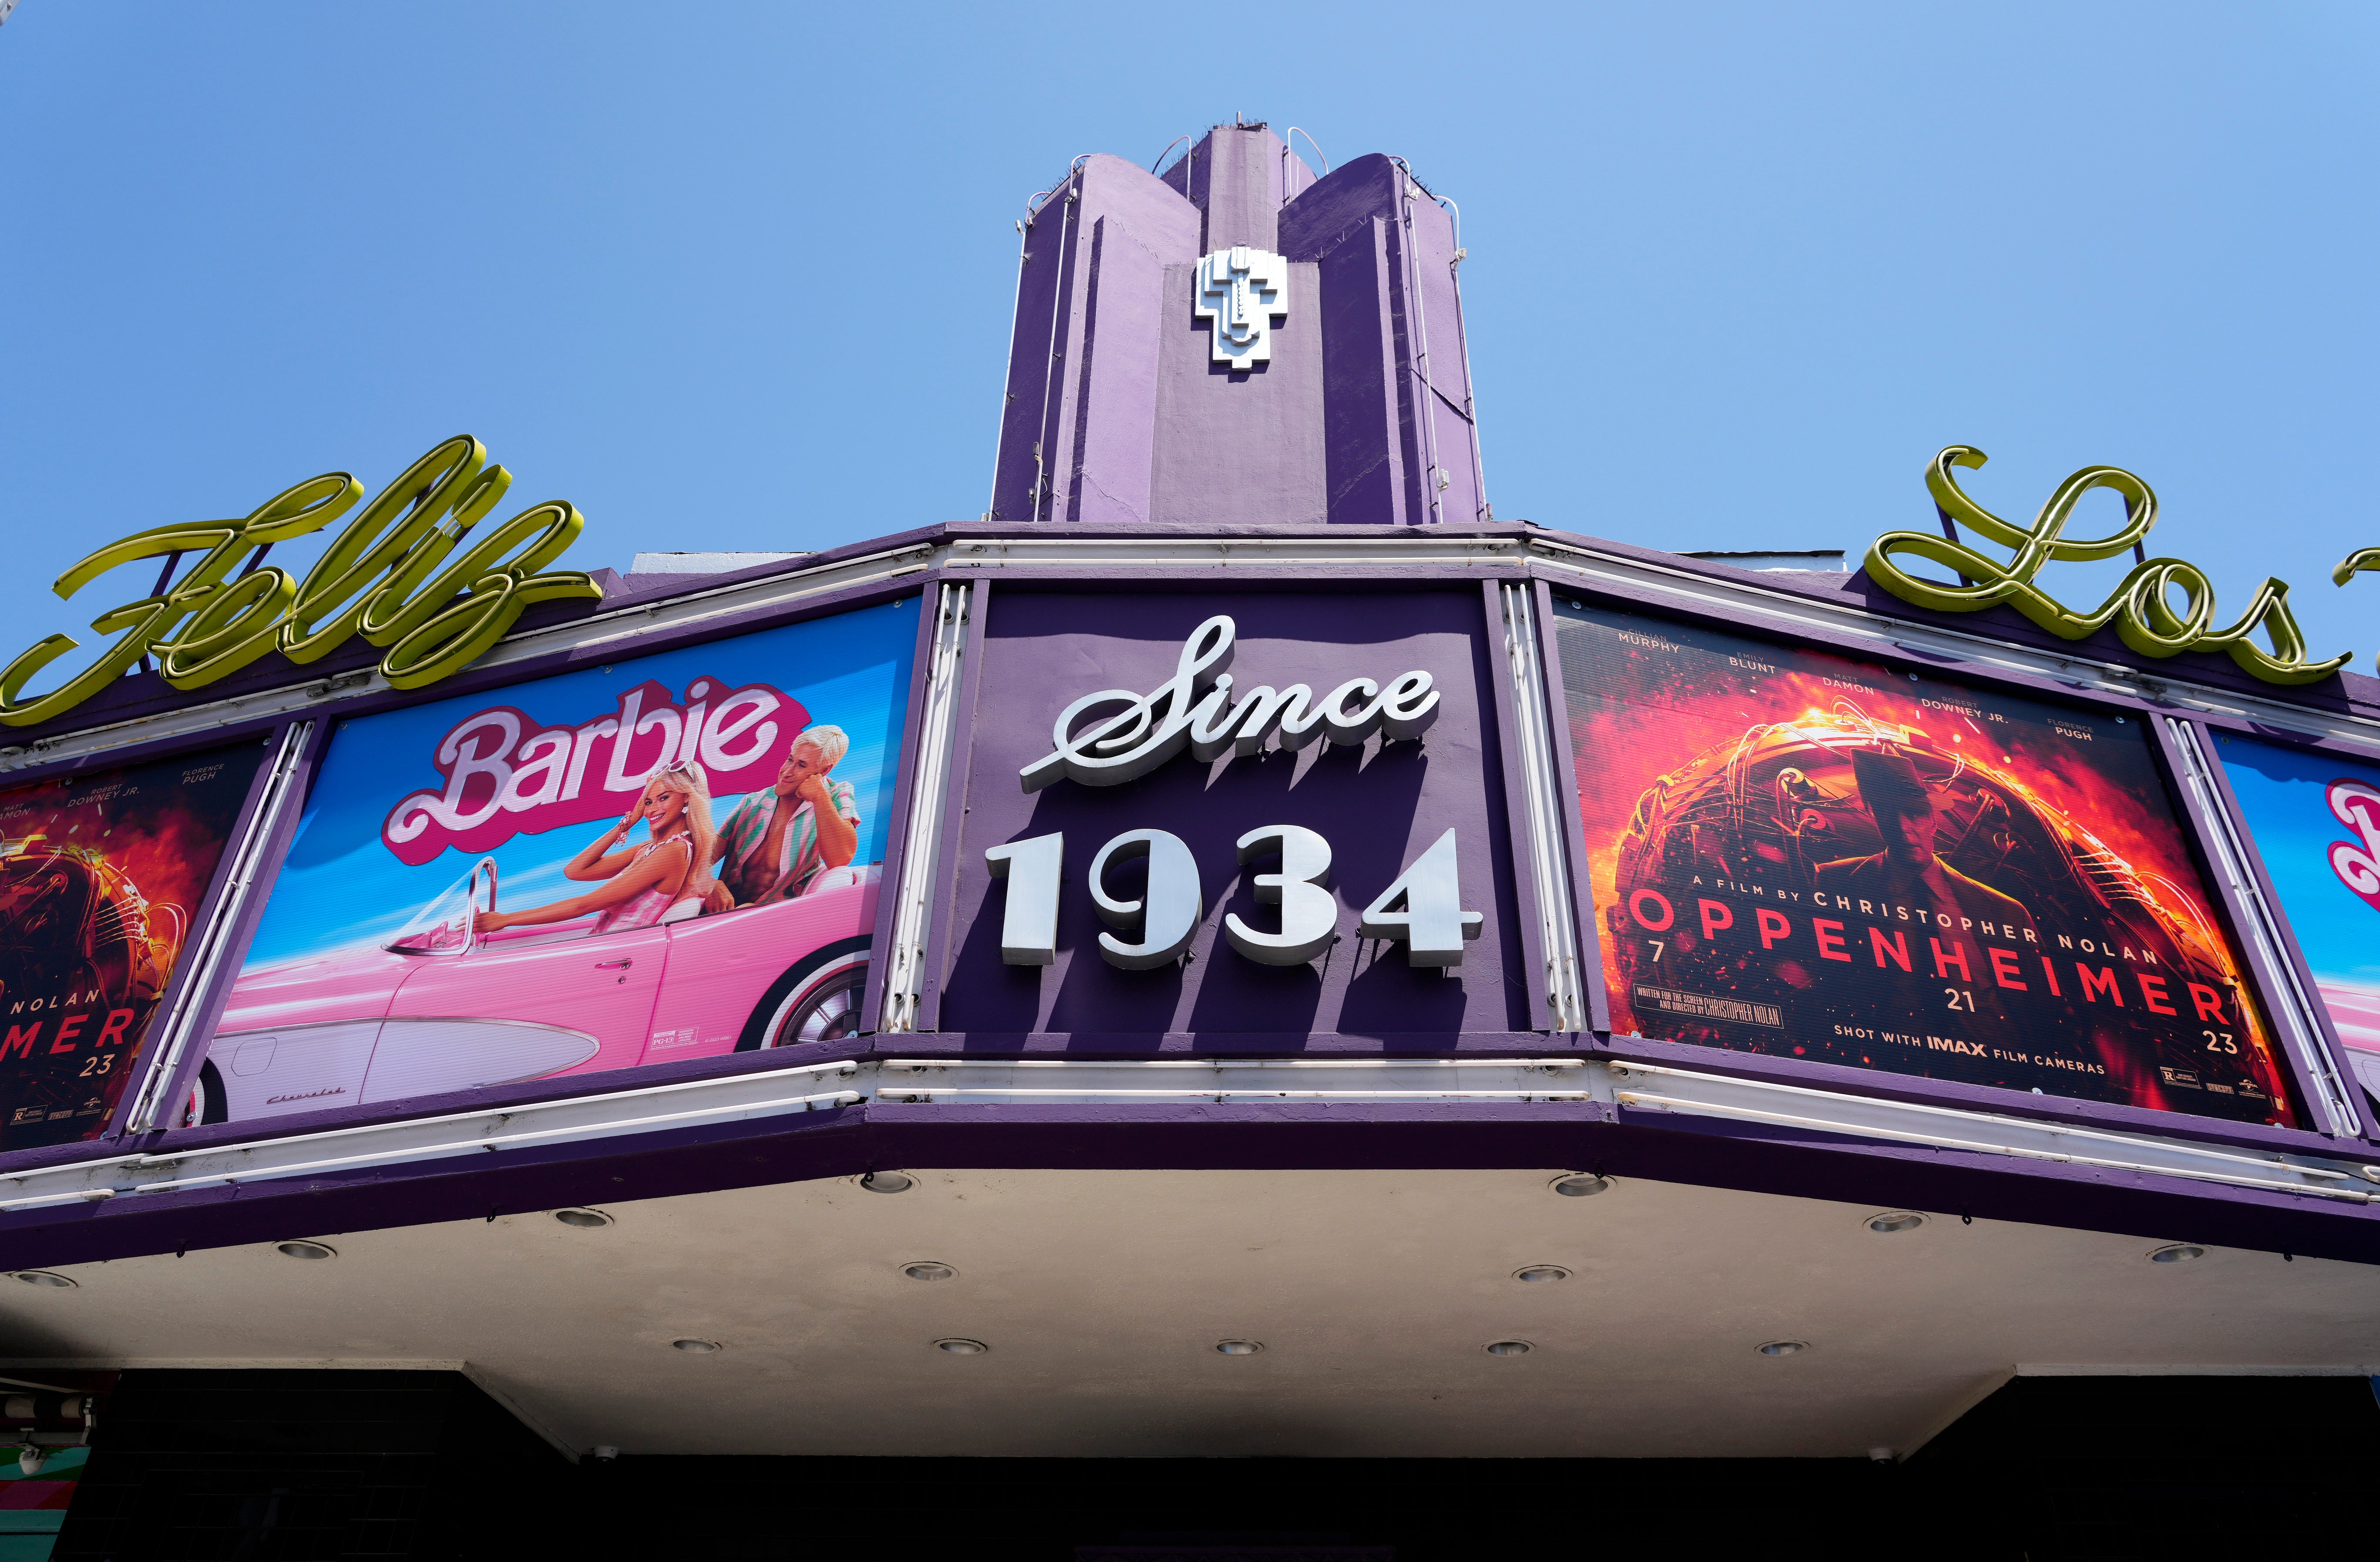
[1802,855]
[99,877]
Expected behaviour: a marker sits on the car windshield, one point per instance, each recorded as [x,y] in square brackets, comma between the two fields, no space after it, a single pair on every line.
[441,927]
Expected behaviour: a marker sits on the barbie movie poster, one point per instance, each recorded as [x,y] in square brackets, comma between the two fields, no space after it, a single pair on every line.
[99,877]
[2316,823]
[672,857]
[1804,856]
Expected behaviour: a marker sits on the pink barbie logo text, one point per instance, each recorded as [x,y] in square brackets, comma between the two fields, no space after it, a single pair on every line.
[507,773]
[2357,862]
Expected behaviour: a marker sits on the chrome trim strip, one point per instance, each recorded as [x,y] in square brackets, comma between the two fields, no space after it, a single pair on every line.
[1547,809]
[1867,1117]
[1251,1082]
[2295,1013]
[1748,1114]
[930,785]
[173,1029]
[442,1136]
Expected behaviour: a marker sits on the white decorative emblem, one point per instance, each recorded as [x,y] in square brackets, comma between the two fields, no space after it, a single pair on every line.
[1243,290]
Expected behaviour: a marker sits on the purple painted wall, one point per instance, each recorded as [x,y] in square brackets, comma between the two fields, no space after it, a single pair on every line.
[1229,443]
[1239,178]
[1399,401]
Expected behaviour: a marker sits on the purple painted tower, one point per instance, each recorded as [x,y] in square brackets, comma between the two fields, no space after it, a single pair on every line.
[1239,342]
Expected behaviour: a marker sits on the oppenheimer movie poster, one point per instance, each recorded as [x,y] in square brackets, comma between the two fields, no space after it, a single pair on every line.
[99,877]
[1802,855]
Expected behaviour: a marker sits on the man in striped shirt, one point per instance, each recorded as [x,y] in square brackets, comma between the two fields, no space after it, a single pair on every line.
[778,840]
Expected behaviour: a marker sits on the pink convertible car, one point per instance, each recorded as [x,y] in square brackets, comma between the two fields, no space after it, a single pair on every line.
[442,1006]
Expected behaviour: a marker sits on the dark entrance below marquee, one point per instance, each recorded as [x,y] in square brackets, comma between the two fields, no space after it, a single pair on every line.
[301,1465]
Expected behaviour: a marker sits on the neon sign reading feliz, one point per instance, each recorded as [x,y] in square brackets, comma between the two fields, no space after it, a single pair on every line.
[381,579]
[2141,607]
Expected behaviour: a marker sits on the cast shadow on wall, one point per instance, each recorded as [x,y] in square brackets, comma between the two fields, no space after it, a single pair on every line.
[1364,801]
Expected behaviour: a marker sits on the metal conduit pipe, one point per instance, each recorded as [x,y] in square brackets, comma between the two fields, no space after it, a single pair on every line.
[1049,357]
[1032,214]
[1463,343]
[1287,153]
[1421,336]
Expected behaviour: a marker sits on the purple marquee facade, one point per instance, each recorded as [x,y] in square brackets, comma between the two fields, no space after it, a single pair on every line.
[1186,488]
[1328,499]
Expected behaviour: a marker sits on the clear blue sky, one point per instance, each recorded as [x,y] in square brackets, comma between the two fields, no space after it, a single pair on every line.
[739,276]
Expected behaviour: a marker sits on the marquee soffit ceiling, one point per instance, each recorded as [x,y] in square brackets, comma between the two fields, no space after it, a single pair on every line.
[1103,1294]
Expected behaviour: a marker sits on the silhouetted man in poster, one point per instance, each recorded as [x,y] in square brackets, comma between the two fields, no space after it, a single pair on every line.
[1907,873]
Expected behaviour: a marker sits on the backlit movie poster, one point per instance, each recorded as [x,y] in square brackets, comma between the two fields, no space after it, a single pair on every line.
[101,875]
[1804,856]
[676,857]
[2316,823]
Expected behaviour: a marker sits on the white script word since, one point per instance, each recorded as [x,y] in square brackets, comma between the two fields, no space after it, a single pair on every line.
[1194,710]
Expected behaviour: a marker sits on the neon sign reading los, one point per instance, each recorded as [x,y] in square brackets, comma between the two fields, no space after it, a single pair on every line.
[2141,606]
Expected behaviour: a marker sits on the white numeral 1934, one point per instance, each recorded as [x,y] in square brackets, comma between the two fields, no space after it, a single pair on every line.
[1423,909]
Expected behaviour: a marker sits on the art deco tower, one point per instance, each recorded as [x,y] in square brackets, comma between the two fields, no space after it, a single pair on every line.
[1239,342]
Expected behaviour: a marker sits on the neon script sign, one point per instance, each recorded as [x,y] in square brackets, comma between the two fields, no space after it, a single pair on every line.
[388,578]
[1194,710]
[508,774]
[2142,607]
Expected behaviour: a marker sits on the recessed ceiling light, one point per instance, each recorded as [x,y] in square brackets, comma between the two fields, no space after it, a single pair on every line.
[928,1270]
[304,1250]
[1580,1185]
[1238,1347]
[586,1220]
[1537,1274]
[1511,1347]
[2180,1252]
[962,1346]
[43,1278]
[1784,1347]
[888,1182]
[1900,1220]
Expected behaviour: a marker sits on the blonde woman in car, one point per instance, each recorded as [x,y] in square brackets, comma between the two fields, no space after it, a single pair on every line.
[640,883]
